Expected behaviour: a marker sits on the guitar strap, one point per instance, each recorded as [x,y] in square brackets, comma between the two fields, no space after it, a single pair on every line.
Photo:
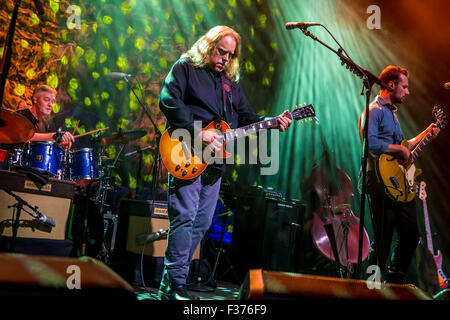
[227,96]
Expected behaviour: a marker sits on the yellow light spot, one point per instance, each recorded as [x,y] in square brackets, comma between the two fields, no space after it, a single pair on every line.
[199,17]
[107,20]
[262,20]
[52,80]
[229,15]
[56,107]
[34,19]
[30,73]
[249,67]
[19,90]
[24,43]
[163,62]
[139,44]
[211,5]
[122,63]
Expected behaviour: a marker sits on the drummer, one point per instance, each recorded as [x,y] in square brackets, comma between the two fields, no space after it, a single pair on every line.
[43,99]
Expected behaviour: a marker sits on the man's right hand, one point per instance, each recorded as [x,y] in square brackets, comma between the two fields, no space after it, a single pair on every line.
[401,153]
[212,138]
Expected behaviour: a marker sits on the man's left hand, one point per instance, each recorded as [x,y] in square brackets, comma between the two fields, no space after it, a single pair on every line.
[435,129]
[283,121]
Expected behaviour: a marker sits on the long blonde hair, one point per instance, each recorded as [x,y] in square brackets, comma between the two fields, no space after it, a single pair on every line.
[201,50]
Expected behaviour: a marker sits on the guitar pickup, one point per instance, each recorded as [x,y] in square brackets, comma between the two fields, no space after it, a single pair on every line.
[394,181]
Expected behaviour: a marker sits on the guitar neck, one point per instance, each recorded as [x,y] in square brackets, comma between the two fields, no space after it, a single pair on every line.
[427,227]
[419,147]
[252,128]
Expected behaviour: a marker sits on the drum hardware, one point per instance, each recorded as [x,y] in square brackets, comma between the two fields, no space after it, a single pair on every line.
[139,176]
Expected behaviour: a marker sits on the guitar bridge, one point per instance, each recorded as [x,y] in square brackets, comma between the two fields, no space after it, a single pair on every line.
[394,181]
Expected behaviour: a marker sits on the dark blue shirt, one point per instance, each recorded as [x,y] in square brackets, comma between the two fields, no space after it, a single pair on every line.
[384,128]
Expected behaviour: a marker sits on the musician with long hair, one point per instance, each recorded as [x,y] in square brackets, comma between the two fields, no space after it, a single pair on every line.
[202,86]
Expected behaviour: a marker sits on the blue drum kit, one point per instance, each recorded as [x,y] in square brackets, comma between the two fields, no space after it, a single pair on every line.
[89,168]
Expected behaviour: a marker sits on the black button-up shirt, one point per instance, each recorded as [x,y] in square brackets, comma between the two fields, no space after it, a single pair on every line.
[197,94]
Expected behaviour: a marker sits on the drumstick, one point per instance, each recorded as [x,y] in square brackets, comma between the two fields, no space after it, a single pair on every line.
[93,131]
[76,127]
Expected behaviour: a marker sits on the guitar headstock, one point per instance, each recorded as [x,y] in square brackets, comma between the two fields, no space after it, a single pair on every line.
[306,111]
[422,192]
[440,117]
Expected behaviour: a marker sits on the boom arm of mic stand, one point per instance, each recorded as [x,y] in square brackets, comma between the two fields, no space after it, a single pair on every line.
[37,215]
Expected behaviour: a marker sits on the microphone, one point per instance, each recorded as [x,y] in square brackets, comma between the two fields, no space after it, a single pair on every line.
[447,85]
[300,25]
[144,238]
[39,7]
[47,220]
[118,75]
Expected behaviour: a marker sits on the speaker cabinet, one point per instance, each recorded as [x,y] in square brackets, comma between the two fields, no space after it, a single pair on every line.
[134,219]
[34,275]
[266,234]
[271,285]
[54,200]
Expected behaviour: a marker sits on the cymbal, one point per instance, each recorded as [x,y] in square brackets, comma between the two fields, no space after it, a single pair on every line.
[14,127]
[123,137]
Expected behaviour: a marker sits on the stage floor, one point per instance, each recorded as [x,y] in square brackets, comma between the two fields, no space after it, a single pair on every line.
[223,291]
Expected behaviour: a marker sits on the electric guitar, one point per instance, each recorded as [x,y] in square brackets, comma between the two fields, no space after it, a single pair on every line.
[185,158]
[400,181]
[443,281]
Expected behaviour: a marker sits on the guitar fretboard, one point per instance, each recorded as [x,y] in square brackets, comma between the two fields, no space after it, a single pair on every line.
[251,128]
[418,149]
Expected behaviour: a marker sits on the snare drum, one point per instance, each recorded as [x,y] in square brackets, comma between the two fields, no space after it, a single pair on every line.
[45,156]
[83,164]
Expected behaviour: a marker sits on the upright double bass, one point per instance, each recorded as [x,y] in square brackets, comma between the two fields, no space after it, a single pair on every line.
[335,229]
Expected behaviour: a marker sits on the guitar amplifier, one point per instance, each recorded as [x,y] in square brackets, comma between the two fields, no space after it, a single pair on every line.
[267,233]
[54,200]
[134,220]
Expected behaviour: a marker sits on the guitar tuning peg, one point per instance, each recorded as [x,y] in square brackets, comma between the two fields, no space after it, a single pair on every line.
[295,107]
[304,104]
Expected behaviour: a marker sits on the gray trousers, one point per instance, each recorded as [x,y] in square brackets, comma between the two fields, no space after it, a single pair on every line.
[191,206]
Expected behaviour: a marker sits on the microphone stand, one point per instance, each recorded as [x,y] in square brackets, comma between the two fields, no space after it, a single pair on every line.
[156,165]
[157,157]
[369,80]
[20,203]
